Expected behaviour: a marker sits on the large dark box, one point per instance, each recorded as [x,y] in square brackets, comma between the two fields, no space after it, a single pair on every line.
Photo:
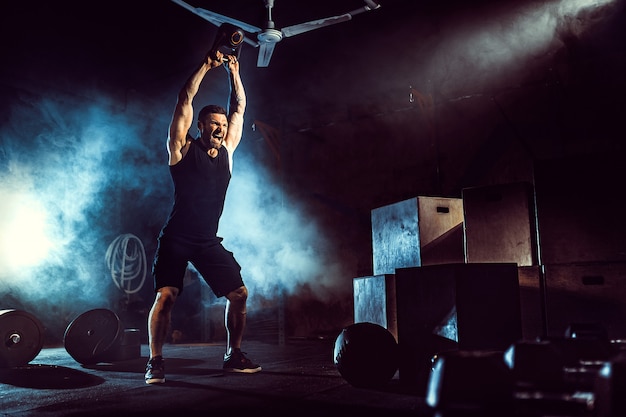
[582,234]
[454,306]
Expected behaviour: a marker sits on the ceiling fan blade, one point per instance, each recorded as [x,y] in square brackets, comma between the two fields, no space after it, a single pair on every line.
[314,24]
[320,23]
[217,19]
[265,53]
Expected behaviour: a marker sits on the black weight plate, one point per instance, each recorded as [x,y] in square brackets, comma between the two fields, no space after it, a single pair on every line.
[22,338]
[90,336]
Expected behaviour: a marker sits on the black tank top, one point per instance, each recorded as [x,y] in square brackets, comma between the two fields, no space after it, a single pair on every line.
[200,184]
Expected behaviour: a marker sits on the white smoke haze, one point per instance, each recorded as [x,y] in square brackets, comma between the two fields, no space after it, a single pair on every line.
[59,177]
[279,244]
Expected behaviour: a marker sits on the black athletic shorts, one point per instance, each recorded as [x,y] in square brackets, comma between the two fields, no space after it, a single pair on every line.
[217,266]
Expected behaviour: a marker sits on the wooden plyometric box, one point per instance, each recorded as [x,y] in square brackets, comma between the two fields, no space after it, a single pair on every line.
[586,293]
[500,224]
[375,301]
[418,231]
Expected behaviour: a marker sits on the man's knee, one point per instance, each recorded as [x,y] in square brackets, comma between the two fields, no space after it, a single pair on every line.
[240,295]
[166,296]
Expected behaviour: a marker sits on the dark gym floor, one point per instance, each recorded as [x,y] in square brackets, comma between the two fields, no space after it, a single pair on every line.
[299,378]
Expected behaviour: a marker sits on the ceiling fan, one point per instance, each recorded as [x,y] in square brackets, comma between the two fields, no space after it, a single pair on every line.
[269,36]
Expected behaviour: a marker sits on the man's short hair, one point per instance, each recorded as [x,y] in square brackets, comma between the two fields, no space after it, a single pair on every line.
[210,109]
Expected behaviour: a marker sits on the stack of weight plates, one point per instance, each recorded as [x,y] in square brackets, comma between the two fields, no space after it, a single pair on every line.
[98,336]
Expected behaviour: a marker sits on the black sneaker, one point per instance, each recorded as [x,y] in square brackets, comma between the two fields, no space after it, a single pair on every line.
[155,370]
[237,362]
